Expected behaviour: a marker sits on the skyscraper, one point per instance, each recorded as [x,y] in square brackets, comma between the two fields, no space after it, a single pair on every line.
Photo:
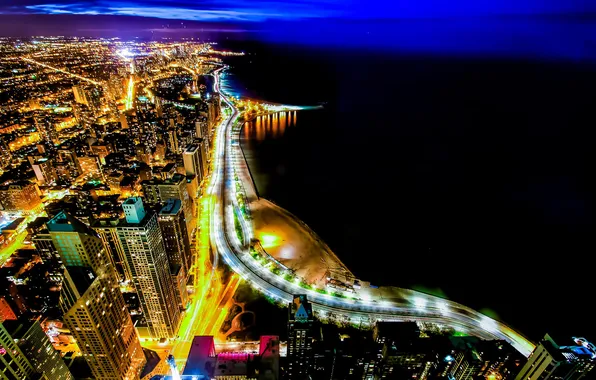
[95,312]
[13,363]
[177,244]
[76,243]
[549,361]
[194,162]
[43,169]
[147,264]
[156,191]
[45,125]
[300,321]
[93,306]
[175,237]
[106,229]
[34,343]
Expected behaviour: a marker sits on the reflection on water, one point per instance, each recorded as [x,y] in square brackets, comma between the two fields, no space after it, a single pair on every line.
[272,125]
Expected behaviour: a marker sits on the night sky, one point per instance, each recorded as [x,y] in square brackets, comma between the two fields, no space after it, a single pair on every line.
[260,10]
[544,29]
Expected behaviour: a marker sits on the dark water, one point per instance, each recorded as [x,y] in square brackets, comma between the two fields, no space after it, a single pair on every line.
[471,176]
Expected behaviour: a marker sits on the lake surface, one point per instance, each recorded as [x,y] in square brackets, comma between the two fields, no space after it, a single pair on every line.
[472,176]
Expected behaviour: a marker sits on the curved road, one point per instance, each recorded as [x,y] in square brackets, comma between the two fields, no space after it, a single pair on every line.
[414,305]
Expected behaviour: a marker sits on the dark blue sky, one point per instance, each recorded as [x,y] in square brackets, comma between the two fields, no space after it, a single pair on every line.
[528,29]
[259,10]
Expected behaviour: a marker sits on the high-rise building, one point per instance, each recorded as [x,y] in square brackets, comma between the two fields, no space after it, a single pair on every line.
[175,188]
[13,363]
[44,170]
[77,244]
[300,337]
[147,263]
[80,95]
[177,244]
[549,361]
[5,154]
[96,314]
[19,196]
[404,354]
[93,306]
[90,96]
[192,160]
[158,191]
[34,343]
[7,312]
[106,229]
[173,140]
[90,165]
[173,227]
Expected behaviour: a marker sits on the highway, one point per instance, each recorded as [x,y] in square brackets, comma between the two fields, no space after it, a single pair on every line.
[412,305]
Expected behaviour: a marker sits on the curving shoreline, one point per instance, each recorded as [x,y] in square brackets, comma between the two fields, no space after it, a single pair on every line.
[385,303]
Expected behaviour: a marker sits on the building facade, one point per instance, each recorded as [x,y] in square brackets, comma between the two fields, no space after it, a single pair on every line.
[147,264]
[300,337]
[19,196]
[92,303]
[34,343]
[549,361]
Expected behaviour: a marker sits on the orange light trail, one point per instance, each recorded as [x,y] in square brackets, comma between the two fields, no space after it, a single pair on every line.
[61,71]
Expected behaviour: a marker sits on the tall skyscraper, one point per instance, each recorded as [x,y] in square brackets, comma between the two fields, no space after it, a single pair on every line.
[13,363]
[46,127]
[93,306]
[43,169]
[147,263]
[34,343]
[106,229]
[95,312]
[157,191]
[549,361]
[175,237]
[300,321]
[177,244]
[76,243]
[194,162]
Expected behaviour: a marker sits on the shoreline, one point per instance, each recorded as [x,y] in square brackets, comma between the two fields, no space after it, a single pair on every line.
[385,292]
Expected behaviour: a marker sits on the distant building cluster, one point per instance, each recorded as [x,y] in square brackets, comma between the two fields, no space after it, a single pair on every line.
[104,149]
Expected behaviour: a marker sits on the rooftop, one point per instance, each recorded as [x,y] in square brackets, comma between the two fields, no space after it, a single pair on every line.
[64,222]
[172,207]
[300,309]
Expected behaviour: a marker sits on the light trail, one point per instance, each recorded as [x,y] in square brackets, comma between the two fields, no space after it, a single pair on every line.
[128,102]
[210,301]
[61,71]
[417,306]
